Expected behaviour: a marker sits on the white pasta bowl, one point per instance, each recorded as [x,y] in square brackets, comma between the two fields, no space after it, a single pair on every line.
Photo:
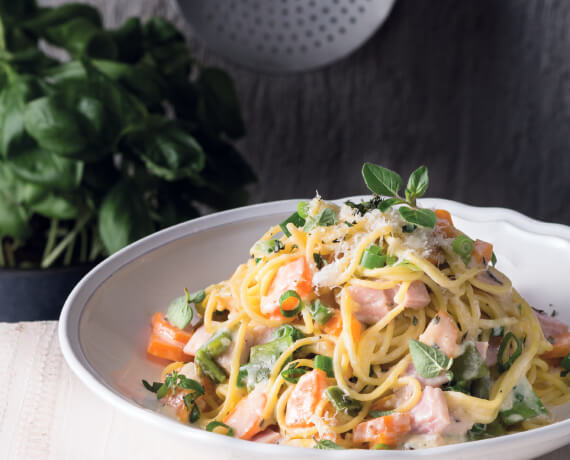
[105,322]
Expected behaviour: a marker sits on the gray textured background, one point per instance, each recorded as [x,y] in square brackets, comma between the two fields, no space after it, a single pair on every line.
[479,90]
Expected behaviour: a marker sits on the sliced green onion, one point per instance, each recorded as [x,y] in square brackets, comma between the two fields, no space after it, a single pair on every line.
[320,312]
[341,401]
[371,260]
[463,246]
[268,247]
[214,424]
[324,363]
[286,295]
[295,219]
[505,364]
[303,209]
[292,373]
[209,367]
[391,260]
[288,331]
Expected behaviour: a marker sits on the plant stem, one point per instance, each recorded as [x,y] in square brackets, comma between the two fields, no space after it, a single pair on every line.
[69,251]
[83,249]
[95,247]
[2,261]
[10,255]
[65,242]
[52,235]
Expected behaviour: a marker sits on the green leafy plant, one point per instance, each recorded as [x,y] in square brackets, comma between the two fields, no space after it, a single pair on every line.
[128,134]
[384,182]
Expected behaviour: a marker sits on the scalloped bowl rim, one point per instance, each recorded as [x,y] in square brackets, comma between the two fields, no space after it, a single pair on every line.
[68,328]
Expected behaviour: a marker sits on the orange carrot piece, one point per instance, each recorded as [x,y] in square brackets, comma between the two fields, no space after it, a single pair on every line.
[388,429]
[482,252]
[161,327]
[560,347]
[334,326]
[173,351]
[444,223]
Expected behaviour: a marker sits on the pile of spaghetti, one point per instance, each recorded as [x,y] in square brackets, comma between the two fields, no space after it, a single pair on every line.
[364,325]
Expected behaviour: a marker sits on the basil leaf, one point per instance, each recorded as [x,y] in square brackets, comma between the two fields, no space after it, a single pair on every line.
[521,403]
[417,184]
[421,217]
[380,180]
[154,387]
[194,415]
[384,205]
[428,361]
[326,444]
[326,218]
[190,384]
[295,219]
[292,373]
[470,365]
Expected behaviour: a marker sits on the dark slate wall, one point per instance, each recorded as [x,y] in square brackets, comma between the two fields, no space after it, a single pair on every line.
[479,90]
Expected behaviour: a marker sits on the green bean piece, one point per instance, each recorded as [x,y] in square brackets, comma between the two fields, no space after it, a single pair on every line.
[217,344]
[209,367]
[341,401]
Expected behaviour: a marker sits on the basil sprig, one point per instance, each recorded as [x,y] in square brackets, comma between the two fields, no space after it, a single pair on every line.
[382,181]
[326,444]
[428,361]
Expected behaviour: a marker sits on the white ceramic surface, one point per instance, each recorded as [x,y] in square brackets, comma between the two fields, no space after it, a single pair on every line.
[105,322]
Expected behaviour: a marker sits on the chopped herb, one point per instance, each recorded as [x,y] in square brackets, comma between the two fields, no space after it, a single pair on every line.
[303,209]
[326,444]
[342,402]
[521,404]
[214,424]
[268,247]
[428,361]
[505,357]
[286,330]
[381,446]
[565,364]
[470,365]
[293,373]
[325,218]
[493,259]
[415,320]
[319,261]
[365,206]
[154,387]
[194,414]
[180,313]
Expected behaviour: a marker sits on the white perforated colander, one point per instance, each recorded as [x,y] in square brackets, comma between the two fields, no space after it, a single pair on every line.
[284,35]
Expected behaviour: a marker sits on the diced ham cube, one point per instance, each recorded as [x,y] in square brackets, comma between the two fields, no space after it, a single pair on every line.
[371,304]
[199,338]
[482,348]
[493,351]
[443,332]
[550,327]
[417,296]
[431,414]
[268,436]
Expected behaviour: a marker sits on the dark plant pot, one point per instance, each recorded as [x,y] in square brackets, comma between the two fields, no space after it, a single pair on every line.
[33,295]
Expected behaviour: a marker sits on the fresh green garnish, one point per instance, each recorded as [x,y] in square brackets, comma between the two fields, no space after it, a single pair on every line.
[428,361]
[268,247]
[293,373]
[180,313]
[324,363]
[209,367]
[493,259]
[381,446]
[372,257]
[325,218]
[319,261]
[480,431]
[365,206]
[507,354]
[565,364]
[294,219]
[283,301]
[326,444]
[341,401]
[217,344]
[215,424]
[303,209]
[286,330]
[463,246]
[521,403]
[320,312]
[154,387]
[175,380]
[470,365]
[194,414]
[380,413]
[262,358]
[498,331]
[384,182]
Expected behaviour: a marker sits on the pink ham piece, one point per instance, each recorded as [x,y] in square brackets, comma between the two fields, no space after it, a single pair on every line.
[373,304]
[268,436]
[199,338]
[482,348]
[443,332]
[550,327]
[431,414]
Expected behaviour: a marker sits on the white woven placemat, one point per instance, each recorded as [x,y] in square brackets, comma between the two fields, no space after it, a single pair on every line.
[47,413]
